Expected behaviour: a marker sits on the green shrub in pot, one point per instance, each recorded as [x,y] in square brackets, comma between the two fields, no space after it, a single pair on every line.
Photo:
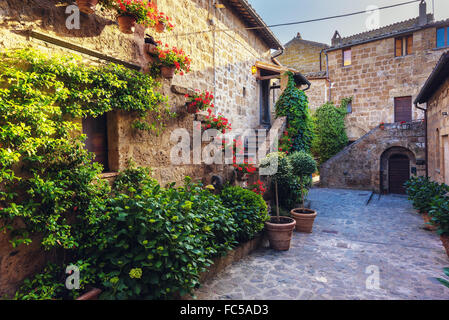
[249,211]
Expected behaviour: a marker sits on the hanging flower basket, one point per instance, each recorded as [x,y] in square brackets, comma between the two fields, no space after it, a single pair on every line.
[87,6]
[168,72]
[127,23]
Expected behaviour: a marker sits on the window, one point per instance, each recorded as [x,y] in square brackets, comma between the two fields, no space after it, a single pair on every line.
[349,107]
[442,37]
[403,46]
[403,109]
[97,139]
[347,57]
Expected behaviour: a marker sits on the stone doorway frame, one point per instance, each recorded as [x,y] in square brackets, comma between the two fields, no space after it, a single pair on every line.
[384,165]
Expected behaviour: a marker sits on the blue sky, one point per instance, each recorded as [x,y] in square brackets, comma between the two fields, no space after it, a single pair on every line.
[282,11]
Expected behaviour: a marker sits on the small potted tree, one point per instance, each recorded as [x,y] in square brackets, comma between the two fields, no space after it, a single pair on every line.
[303,166]
[279,229]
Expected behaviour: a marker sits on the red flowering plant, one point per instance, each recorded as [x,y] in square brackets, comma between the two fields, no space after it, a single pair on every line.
[258,187]
[164,20]
[216,122]
[245,167]
[285,143]
[144,11]
[200,101]
[173,57]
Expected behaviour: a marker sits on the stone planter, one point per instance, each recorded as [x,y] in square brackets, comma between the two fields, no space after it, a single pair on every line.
[445,240]
[90,295]
[280,232]
[304,219]
[168,72]
[127,23]
[87,6]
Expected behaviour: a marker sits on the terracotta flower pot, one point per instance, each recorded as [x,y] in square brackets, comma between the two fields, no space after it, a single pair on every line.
[168,72]
[87,6]
[280,234]
[427,219]
[90,295]
[304,219]
[160,27]
[445,240]
[127,23]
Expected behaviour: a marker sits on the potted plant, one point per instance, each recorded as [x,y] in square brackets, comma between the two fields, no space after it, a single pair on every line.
[172,61]
[279,229]
[87,6]
[199,101]
[218,122]
[382,126]
[303,165]
[132,12]
[440,216]
[163,23]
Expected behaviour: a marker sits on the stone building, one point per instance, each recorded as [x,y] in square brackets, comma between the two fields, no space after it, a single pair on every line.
[228,58]
[308,57]
[435,97]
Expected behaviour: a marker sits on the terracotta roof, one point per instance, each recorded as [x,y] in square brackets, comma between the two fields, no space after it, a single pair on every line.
[438,76]
[387,31]
[252,19]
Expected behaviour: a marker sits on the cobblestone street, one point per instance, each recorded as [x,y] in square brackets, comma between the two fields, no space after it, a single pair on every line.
[350,240]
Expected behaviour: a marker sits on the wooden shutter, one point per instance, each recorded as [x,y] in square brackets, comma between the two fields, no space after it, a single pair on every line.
[398,46]
[409,44]
[403,109]
[97,139]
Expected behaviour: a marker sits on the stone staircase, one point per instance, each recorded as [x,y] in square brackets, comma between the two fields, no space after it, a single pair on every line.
[360,165]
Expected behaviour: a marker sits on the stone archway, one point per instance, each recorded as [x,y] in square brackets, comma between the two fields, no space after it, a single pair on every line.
[396,165]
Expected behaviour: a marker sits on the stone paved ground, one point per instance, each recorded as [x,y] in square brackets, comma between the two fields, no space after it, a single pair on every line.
[332,263]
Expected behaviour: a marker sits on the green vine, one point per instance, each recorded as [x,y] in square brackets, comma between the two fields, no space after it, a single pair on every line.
[293,103]
[46,175]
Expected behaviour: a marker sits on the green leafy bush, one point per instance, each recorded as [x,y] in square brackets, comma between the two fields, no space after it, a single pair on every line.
[445,282]
[293,104]
[439,213]
[249,211]
[303,166]
[330,132]
[421,191]
[158,241]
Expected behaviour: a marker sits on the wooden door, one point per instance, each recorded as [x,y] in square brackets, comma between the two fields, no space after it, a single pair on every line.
[97,139]
[265,117]
[403,109]
[398,173]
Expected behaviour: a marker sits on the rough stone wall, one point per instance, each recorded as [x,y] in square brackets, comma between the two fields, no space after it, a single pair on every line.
[235,52]
[376,77]
[438,128]
[303,55]
[360,165]
[318,93]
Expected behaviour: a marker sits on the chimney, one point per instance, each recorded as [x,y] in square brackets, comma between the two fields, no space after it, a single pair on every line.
[336,39]
[423,13]
[299,35]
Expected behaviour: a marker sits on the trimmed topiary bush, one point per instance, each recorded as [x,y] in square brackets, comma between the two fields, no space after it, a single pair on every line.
[249,211]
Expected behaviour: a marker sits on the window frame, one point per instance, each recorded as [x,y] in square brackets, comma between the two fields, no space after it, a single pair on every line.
[343,57]
[445,37]
[404,40]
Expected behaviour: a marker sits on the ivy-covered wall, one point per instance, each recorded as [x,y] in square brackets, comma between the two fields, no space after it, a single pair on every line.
[235,88]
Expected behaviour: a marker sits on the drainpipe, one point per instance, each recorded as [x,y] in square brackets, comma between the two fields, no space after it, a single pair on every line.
[426,144]
[327,75]
[281,52]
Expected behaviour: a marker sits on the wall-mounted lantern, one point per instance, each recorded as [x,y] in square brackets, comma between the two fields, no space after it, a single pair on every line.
[254,70]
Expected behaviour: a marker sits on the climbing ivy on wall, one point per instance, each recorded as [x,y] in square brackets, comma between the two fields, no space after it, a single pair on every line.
[46,175]
[330,132]
[293,103]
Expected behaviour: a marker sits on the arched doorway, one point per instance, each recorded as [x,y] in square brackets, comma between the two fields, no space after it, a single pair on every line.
[398,173]
[395,169]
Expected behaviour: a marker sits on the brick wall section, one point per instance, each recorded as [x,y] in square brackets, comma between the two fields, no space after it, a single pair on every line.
[359,165]
[318,93]
[438,162]
[236,51]
[376,77]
